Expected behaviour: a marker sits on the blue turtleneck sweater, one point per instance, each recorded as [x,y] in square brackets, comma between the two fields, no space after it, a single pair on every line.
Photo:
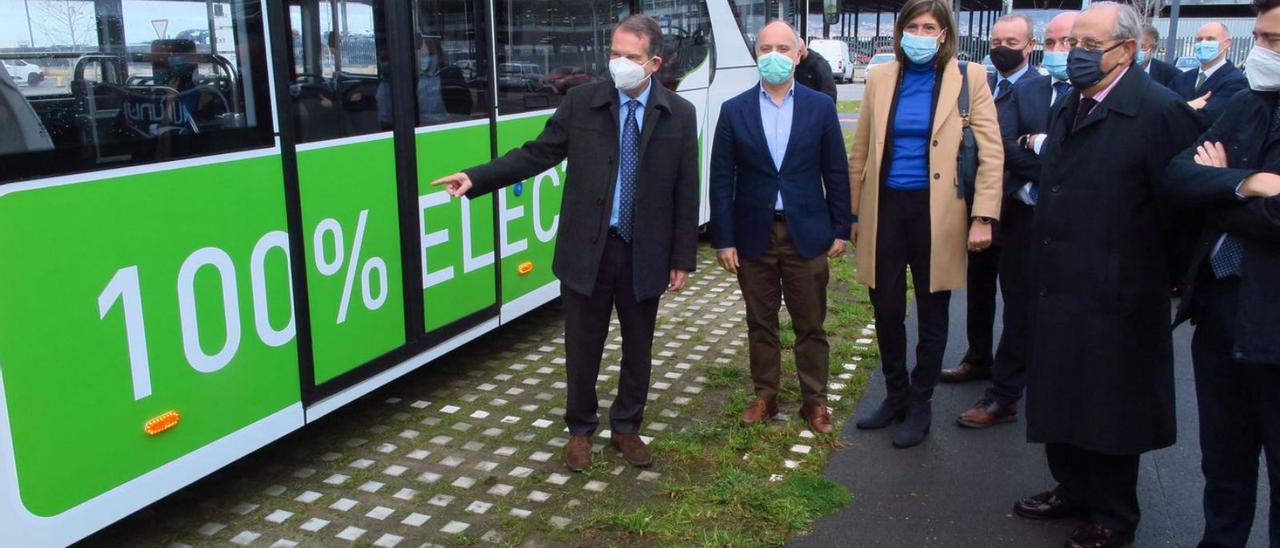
[909,168]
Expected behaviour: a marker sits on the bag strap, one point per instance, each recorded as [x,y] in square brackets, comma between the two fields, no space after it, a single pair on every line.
[963,102]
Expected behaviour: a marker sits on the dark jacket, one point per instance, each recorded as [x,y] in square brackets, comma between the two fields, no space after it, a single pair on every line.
[1164,73]
[814,72]
[1026,112]
[814,179]
[1252,146]
[584,130]
[1101,370]
[1224,83]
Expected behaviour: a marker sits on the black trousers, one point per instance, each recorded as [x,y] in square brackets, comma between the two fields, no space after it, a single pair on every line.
[984,267]
[1008,372]
[902,240]
[1106,484]
[1239,408]
[586,328]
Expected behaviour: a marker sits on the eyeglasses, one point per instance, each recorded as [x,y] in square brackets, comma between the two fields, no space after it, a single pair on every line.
[1093,45]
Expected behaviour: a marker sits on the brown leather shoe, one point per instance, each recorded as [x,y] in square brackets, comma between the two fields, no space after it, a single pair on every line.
[966,372]
[987,413]
[1097,536]
[1047,506]
[760,410]
[819,419]
[577,455]
[633,449]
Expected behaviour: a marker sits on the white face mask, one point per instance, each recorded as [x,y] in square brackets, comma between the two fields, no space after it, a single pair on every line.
[627,74]
[1263,69]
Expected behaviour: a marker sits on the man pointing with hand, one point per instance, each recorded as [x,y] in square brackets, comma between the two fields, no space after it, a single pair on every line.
[628,229]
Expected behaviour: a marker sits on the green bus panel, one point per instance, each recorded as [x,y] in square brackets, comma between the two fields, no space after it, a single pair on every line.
[124,299]
[528,216]
[457,253]
[352,232]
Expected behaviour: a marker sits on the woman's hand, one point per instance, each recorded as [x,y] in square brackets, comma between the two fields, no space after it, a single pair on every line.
[979,235]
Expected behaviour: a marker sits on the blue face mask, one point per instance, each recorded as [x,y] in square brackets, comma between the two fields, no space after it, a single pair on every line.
[426,66]
[1206,51]
[1142,57]
[1056,63]
[919,49]
[775,67]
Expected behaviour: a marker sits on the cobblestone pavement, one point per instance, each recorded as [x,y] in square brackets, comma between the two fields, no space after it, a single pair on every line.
[467,449]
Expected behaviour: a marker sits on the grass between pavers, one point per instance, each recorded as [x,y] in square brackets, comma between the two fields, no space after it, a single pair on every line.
[724,484]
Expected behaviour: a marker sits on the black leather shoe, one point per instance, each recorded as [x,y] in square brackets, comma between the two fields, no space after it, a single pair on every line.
[915,426]
[966,371]
[1046,506]
[1097,536]
[890,410]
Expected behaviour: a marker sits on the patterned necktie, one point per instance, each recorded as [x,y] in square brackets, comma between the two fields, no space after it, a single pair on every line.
[1200,81]
[1060,90]
[1002,88]
[1082,112]
[630,164]
[1226,260]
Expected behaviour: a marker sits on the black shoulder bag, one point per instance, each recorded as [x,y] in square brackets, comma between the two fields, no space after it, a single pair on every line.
[967,159]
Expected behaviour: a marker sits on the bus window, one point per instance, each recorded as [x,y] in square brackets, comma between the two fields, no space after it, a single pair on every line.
[115,83]
[686,37]
[752,16]
[341,80]
[452,76]
[546,48]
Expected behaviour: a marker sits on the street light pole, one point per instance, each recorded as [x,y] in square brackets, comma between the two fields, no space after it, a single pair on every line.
[30,35]
[1169,53]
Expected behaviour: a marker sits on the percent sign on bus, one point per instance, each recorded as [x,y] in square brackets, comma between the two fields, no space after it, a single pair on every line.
[329,266]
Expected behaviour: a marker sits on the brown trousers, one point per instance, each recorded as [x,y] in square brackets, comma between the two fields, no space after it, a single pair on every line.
[780,272]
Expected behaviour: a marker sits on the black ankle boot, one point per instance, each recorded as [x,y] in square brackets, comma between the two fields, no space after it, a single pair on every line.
[893,408]
[915,426]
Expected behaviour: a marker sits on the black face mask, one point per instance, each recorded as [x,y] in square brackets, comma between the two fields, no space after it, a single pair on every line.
[1006,59]
[1084,67]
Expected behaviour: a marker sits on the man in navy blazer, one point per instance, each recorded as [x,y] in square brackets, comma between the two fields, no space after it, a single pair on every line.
[1158,70]
[779,208]
[1209,88]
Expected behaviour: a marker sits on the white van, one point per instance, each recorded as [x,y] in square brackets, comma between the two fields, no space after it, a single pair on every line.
[835,52]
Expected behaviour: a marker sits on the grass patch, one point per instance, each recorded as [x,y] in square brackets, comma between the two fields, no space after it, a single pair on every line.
[848,107]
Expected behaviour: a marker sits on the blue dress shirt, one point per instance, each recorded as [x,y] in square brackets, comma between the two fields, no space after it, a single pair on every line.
[622,120]
[776,120]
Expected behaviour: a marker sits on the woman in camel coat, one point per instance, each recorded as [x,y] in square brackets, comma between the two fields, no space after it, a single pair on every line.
[908,204]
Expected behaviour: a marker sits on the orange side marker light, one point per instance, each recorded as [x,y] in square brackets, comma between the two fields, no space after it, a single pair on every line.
[161,423]
[525,268]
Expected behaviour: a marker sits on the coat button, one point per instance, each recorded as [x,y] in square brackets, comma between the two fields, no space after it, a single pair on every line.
[1238,355]
[1047,241]
[935,142]
[1044,292]
[937,176]
[1055,189]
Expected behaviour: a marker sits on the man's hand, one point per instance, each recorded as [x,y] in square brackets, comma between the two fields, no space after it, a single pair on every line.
[979,236]
[457,184]
[678,278]
[1199,102]
[837,249]
[1260,185]
[1211,155]
[728,259]
[853,235]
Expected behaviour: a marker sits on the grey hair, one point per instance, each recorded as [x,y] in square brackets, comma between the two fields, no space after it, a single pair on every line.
[799,39]
[1031,26]
[1150,31]
[1128,24]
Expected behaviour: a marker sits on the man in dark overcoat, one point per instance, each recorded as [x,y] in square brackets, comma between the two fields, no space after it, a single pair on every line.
[1100,380]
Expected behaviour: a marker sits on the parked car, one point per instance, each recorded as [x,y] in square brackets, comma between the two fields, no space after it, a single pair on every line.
[1187,63]
[836,52]
[519,76]
[23,72]
[877,59]
[991,67]
[562,79]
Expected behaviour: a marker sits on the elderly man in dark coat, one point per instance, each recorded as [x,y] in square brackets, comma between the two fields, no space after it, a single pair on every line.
[1100,381]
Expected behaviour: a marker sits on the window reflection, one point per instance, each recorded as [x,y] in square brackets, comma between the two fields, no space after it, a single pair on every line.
[547,47]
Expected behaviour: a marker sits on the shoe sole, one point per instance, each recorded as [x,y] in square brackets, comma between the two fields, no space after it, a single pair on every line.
[909,446]
[895,419]
[645,464]
[1038,517]
[981,425]
[572,469]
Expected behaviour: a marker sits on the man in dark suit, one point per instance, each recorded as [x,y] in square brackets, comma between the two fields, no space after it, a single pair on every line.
[1024,121]
[779,208]
[1100,379]
[629,224]
[814,72]
[1232,176]
[1158,70]
[1209,88]
[1012,41]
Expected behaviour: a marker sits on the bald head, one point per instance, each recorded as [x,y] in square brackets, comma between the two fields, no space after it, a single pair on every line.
[1213,32]
[779,30]
[1055,34]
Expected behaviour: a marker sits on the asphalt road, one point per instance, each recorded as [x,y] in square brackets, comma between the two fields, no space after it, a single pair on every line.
[957,489]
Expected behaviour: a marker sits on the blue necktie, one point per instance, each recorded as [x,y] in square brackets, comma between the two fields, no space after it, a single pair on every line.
[1002,89]
[1060,90]
[1226,260]
[630,164]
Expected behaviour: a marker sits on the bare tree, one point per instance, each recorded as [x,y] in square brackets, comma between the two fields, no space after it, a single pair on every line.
[67,22]
[1148,9]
